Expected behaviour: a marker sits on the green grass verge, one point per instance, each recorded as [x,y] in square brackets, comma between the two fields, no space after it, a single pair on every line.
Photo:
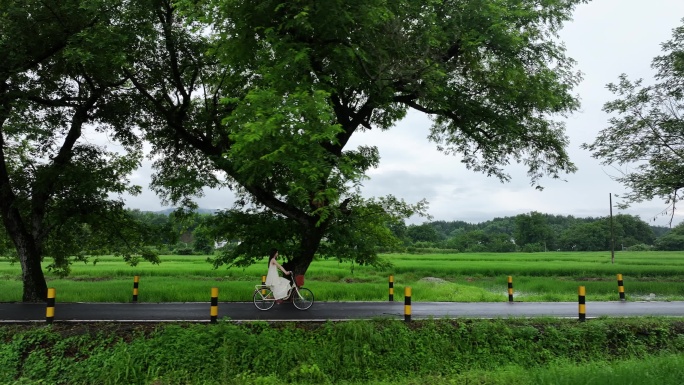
[518,351]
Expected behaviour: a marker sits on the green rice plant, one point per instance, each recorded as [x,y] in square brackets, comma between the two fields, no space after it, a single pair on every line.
[465,277]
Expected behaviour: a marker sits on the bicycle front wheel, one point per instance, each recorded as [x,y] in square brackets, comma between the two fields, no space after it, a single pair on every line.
[303,298]
[263,299]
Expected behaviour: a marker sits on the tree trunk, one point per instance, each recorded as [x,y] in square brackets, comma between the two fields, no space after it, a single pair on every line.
[35,287]
[300,263]
[33,279]
[311,239]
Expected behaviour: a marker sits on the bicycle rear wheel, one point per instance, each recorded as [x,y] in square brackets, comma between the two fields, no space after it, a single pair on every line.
[303,298]
[261,299]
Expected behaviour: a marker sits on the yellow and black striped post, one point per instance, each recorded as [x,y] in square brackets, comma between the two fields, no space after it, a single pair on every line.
[214,304]
[263,283]
[407,304]
[510,288]
[391,288]
[136,280]
[582,304]
[621,287]
[50,310]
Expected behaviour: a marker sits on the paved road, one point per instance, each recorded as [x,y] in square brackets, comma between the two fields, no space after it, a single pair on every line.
[321,311]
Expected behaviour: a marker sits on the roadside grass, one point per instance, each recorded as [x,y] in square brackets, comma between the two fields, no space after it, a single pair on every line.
[654,370]
[473,277]
[643,350]
[657,370]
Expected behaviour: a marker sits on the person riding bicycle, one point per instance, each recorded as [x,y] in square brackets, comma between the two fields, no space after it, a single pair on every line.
[279,285]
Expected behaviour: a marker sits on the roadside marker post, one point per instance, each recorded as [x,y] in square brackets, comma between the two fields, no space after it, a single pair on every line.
[50,310]
[407,304]
[510,288]
[391,288]
[582,304]
[621,287]
[263,283]
[214,304]
[136,280]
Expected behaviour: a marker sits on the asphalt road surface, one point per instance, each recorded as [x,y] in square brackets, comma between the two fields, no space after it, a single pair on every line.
[322,311]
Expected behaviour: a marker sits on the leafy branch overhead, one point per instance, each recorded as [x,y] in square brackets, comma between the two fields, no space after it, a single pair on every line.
[644,139]
[58,85]
[264,100]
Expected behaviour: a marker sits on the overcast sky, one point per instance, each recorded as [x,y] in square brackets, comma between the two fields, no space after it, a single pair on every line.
[606,38]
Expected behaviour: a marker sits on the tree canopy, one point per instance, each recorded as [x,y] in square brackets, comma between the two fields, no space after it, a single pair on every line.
[264,100]
[56,84]
[645,138]
[532,231]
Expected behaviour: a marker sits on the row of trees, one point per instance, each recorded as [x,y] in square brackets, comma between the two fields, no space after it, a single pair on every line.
[202,233]
[168,232]
[264,99]
[541,232]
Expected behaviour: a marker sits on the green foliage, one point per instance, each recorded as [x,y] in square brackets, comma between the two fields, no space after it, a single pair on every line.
[361,234]
[251,229]
[354,351]
[423,233]
[183,251]
[536,232]
[203,243]
[652,117]
[478,241]
[640,247]
[356,235]
[268,97]
[532,232]
[7,248]
[161,228]
[587,236]
[627,231]
[673,240]
[58,187]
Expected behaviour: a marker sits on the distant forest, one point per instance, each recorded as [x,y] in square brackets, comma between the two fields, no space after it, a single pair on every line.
[536,231]
[530,232]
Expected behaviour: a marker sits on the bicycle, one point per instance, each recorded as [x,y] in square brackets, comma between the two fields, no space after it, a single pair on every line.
[301,297]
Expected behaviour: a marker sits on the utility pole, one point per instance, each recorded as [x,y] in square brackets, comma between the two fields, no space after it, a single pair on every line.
[612,232]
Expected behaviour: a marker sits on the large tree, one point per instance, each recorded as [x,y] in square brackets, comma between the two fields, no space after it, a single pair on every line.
[673,240]
[645,136]
[598,234]
[532,232]
[264,98]
[56,82]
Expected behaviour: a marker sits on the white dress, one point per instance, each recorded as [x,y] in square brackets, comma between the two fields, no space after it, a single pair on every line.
[278,284]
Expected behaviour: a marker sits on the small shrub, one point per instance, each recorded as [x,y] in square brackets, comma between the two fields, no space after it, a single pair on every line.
[532,248]
[640,247]
[183,251]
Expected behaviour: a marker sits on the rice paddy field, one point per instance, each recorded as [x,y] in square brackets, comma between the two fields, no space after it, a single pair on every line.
[474,277]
